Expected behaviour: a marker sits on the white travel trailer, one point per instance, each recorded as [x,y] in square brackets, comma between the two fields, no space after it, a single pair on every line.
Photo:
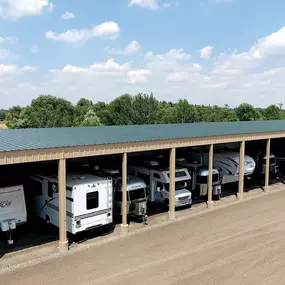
[13,210]
[199,173]
[227,162]
[136,195]
[157,180]
[89,200]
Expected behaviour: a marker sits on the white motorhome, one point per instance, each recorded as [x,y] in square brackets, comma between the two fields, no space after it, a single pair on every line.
[89,200]
[227,162]
[157,180]
[13,210]
[199,178]
[136,195]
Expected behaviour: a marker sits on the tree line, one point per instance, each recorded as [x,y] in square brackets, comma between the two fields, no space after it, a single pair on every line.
[48,111]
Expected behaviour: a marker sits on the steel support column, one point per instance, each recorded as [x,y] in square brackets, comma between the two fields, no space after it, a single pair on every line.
[172,161]
[63,242]
[266,186]
[124,225]
[241,171]
[210,203]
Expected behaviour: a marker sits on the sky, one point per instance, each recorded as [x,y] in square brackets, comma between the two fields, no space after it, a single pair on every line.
[206,51]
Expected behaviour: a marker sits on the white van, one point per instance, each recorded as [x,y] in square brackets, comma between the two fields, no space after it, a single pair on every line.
[13,210]
[157,181]
[89,200]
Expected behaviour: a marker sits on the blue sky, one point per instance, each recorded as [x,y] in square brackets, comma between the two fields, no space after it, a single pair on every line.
[207,51]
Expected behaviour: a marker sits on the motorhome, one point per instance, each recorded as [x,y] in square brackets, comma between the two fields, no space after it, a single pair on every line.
[226,162]
[157,181]
[89,200]
[13,210]
[261,164]
[136,195]
[199,178]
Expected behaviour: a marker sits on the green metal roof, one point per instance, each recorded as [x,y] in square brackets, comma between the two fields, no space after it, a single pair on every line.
[26,139]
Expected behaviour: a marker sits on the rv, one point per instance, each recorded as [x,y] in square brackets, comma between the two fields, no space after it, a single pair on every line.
[261,164]
[13,210]
[226,162]
[136,195]
[89,200]
[199,183]
[157,180]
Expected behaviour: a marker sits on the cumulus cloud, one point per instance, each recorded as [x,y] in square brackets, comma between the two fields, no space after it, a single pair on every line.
[68,16]
[107,29]
[206,52]
[7,68]
[131,48]
[169,56]
[151,4]
[29,68]
[138,75]
[15,9]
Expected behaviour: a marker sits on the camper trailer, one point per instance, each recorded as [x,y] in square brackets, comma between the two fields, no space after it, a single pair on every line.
[136,195]
[226,162]
[199,178]
[13,210]
[89,200]
[157,180]
[261,164]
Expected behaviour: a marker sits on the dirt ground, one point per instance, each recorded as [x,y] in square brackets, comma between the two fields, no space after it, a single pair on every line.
[240,244]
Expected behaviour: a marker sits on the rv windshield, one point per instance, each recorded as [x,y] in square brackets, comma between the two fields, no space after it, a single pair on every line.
[179,185]
[136,194]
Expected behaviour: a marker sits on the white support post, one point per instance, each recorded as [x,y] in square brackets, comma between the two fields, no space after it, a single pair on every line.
[210,203]
[266,186]
[241,171]
[124,225]
[172,161]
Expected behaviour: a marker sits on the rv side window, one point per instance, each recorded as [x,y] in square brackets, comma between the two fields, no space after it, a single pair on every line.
[50,189]
[156,175]
[92,200]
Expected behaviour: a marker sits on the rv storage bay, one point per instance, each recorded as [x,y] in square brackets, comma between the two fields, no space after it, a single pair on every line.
[240,244]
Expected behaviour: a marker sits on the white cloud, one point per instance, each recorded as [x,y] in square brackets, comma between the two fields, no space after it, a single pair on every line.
[138,75]
[4,53]
[206,52]
[107,29]
[35,49]
[8,40]
[7,68]
[14,9]
[74,69]
[177,76]
[131,48]
[29,68]
[273,44]
[68,16]
[152,4]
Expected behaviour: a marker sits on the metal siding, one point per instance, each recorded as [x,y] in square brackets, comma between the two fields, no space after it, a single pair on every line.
[29,139]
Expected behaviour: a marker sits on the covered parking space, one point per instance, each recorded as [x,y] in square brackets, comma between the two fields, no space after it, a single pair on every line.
[62,144]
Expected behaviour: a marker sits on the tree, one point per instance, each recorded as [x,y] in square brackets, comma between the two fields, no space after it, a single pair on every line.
[83,102]
[91,119]
[165,113]
[246,112]
[15,118]
[47,112]
[120,110]
[184,112]
[272,112]
[144,109]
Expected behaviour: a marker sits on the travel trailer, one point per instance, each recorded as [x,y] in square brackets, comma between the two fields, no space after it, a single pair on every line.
[261,164]
[13,210]
[136,195]
[157,180]
[89,200]
[226,162]
[199,178]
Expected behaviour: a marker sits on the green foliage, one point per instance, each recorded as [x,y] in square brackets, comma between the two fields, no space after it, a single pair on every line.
[246,112]
[91,119]
[48,111]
